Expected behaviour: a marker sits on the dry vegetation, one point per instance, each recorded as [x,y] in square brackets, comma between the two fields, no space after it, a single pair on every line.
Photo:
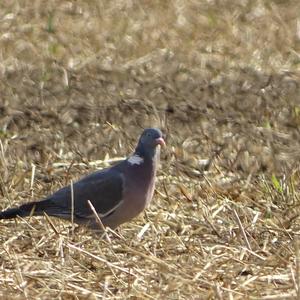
[79,81]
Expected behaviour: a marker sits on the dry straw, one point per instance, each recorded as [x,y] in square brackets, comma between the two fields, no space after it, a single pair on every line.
[78,82]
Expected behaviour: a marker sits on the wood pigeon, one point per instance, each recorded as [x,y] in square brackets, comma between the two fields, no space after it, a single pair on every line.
[118,193]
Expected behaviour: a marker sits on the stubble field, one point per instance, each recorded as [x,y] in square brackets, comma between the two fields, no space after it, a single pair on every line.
[79,82]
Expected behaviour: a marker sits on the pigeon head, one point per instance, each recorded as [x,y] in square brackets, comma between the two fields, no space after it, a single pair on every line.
[148,142]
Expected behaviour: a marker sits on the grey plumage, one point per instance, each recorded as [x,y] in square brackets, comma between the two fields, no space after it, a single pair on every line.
[118,193]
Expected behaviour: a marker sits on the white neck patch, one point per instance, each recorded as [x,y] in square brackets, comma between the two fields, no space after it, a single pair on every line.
[135,159]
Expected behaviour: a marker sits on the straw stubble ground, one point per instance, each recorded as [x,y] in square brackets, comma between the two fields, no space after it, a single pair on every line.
[79,81]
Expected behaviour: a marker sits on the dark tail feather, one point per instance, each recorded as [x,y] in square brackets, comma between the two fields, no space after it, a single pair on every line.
[22,211]
[10,213]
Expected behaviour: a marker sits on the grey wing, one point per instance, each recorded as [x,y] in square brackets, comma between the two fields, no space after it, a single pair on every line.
[104,189]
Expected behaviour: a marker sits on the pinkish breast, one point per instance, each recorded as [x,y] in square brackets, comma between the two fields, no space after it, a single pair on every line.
[140,189]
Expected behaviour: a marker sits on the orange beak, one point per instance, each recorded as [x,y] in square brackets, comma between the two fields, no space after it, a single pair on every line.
[160,141]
